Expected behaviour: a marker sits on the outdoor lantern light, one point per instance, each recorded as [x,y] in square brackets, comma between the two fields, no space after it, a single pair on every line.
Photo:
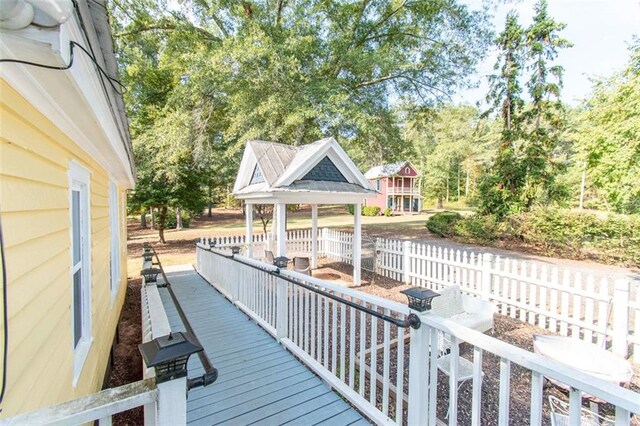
[281,261]
[420,298]
[147,255]
[146,247]
[235,249]
[169,354]
[212,242]
[150,274]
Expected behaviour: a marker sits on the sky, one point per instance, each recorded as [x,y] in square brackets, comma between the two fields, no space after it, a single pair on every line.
[600,30]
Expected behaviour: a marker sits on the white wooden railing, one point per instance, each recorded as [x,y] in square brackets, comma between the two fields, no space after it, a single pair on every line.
[388,372]
[599,310]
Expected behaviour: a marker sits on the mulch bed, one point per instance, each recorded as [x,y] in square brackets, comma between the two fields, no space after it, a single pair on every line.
[127,361]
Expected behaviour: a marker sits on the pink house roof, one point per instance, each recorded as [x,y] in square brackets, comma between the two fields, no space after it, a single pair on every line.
[386,170]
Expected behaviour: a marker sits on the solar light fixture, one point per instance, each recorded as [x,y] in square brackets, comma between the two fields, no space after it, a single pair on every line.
[281,261]
[420,298]
[212,242]
[170,354]
[147,255]
[235,249]
[150,274]
[146,247]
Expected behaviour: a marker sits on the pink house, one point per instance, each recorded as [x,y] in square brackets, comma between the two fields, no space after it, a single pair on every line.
[397,187]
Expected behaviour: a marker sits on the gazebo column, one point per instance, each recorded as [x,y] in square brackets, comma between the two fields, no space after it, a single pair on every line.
[314,236]
[249,228]
[281,218]
[357,243]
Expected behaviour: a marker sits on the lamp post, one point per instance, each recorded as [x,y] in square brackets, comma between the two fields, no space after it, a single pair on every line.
[169,354]
[150,274]
[420,298]
[281,261]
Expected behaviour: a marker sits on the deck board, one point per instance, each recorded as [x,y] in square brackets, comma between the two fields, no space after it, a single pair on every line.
[259,381]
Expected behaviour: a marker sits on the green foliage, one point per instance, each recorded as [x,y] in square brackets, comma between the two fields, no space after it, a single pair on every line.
[443,223]
[477,228]
[370,210]
[559,231]
[527,165]
[171,220]
[350,208]
[387,212]
[607,139]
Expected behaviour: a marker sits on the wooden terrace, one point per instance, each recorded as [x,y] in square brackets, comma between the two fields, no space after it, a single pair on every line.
[259,381]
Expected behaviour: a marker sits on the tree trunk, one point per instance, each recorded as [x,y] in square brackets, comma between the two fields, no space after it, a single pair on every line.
[178,218]
[161,221]
[458,180]
[466,184]
[143,220]
[210,203]
[439,206]
[153,219]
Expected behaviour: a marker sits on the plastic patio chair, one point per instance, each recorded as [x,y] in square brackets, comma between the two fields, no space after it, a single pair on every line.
[302,265]
[268,257]
[560,415]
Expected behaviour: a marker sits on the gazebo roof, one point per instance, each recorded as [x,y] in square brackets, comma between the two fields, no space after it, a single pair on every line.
[319,172]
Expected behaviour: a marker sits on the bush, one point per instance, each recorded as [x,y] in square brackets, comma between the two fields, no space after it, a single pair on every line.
[442,223]
[350,208]
[370,211]
[579,234]
[387,212]
[477,228]
[171,221]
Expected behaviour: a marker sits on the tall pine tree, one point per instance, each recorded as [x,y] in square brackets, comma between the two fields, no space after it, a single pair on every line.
[500,189]
[545,118]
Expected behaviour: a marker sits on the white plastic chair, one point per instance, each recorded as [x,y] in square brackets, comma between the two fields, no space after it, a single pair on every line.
[560,415]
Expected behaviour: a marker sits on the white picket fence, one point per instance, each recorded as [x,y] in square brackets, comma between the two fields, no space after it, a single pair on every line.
[353,341]
[570,303]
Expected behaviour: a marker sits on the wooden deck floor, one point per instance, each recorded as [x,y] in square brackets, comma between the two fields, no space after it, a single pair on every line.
[259,381]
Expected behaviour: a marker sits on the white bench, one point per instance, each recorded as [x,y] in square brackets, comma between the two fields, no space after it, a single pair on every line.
[464,309]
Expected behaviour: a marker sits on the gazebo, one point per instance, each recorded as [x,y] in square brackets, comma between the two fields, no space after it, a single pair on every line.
[316,173]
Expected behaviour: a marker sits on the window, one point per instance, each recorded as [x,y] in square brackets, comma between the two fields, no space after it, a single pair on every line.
[378,185]
[80,266]
[114,227]
[407,170]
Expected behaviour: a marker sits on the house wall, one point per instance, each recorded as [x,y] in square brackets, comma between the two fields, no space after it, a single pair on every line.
[381,196]
[34,198]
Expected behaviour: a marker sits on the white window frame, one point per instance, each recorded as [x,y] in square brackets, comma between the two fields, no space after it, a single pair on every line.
[79,180]
[407,170]
[114,240]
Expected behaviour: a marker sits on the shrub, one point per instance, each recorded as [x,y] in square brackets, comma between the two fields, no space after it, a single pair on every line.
[370,211]
[387,212]
[477,228]
[559,231]
[170,221]
[350,208]
[442,223]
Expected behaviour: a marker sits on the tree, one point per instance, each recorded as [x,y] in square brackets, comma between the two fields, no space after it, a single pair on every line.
[545,118]
[295,71]
[500,189]
[608,137]
[265,213]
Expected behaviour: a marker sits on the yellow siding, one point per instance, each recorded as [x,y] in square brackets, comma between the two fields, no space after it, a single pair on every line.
[34,197]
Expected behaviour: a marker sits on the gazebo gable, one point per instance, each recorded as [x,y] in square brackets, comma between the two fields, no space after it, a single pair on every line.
[324,160]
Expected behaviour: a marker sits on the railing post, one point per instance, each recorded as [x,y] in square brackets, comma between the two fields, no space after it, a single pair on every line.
[172,402]
[282,309]
[406,261]
[487,272]
[620,323]
[418,408]
[324,248]
[269,241]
